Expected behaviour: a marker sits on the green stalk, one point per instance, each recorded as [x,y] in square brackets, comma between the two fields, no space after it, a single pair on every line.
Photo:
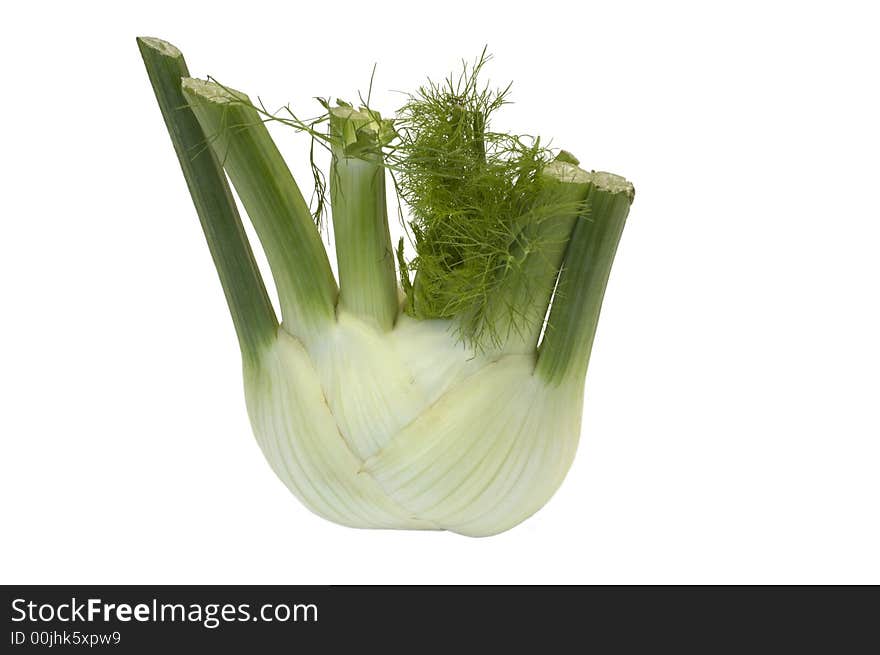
[565,350]
[367,284]
[252,314]
[306,288]
[560,202]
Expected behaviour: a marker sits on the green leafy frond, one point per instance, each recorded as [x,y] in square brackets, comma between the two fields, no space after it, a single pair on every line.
[477,199]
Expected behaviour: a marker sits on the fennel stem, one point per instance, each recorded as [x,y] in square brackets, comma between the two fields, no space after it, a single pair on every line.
[558,205]
[564,353]
[306,287]
[367,282]
[252,314]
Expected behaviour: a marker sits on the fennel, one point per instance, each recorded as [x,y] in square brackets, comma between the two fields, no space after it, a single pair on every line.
[437,404]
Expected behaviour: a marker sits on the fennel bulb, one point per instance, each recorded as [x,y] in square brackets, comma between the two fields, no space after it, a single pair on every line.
[438,403]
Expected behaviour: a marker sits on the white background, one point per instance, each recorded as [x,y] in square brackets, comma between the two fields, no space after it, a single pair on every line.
[731,420]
